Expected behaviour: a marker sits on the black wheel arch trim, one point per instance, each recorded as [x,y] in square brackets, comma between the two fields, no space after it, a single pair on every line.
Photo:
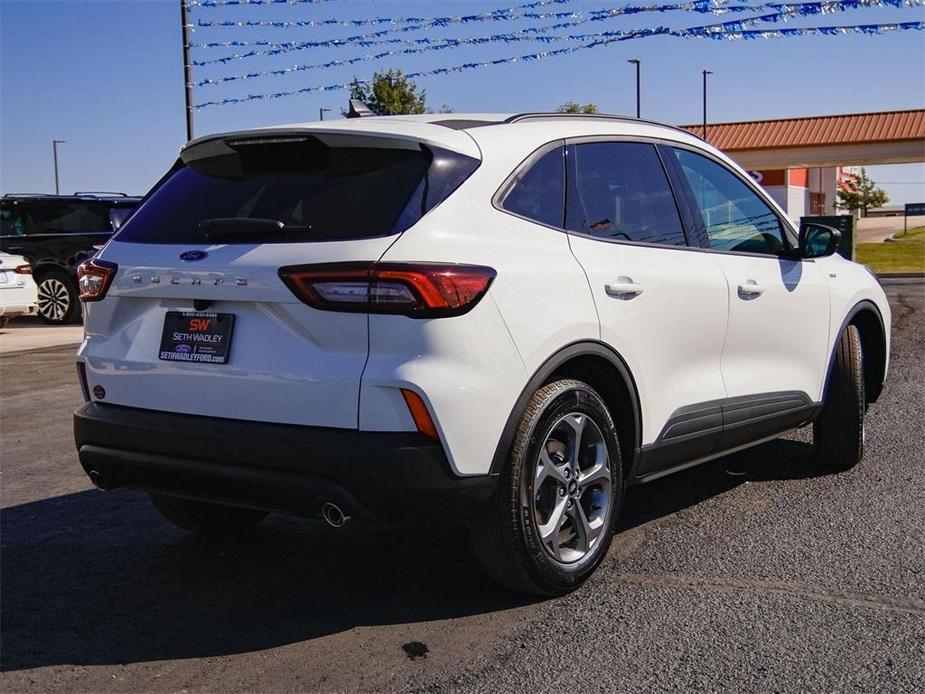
[542,374]
[873,385]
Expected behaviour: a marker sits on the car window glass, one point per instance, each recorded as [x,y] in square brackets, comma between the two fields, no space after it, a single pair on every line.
[735,218]
[619,190]
[323,193]
[56,218]
[539,193]
[11,222]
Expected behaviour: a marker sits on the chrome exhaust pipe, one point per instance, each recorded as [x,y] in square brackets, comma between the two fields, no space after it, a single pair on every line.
[333,514]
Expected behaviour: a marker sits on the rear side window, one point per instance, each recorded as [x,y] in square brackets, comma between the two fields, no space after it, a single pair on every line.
[318,193]
[65,217]
[539,192]
[619,191]
[735,218]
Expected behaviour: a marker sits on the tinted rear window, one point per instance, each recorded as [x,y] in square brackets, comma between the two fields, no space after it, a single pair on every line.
[332,193]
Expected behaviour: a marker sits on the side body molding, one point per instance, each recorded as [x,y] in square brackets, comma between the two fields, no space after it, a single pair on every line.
[697,433]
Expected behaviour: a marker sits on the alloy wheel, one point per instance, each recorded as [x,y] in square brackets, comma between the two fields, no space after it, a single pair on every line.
[54,299]
[571,492]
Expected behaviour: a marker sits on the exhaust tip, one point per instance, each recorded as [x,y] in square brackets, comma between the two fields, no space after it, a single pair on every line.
[333,515]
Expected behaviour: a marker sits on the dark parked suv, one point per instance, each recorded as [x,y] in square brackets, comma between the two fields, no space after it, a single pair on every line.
[56,233]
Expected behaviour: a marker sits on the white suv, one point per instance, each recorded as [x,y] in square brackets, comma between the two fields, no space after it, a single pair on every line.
[500,319]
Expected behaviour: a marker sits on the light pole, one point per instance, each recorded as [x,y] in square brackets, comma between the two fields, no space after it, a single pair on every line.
[187,71]
[637,63]
[705,73]
[54,150]
[321,112]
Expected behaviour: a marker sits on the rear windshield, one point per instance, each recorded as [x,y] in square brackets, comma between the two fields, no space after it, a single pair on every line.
[322,193]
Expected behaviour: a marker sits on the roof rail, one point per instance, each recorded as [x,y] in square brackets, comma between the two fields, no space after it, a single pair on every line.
[100,193]
[518,117]
[28,195]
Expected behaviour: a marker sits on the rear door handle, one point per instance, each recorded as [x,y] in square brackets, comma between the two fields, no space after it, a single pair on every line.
[750,289]
[623,288]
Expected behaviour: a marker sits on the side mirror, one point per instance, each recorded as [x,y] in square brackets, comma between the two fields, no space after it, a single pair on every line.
[817,240]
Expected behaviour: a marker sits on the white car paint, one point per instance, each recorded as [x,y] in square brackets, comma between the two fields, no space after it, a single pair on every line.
[688,337]
[18,291]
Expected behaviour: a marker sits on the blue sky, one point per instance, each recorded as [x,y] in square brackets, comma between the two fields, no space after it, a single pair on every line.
[107,77]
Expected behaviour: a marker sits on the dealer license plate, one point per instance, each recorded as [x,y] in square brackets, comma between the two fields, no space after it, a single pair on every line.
[197,336]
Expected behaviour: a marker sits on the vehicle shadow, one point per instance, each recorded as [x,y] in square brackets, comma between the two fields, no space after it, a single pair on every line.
[99,578]
[779,459]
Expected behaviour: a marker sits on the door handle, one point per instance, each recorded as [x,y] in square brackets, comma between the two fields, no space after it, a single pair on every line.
[749,289]
[623,288]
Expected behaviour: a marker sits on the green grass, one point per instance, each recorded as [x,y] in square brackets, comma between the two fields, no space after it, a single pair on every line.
[906,254]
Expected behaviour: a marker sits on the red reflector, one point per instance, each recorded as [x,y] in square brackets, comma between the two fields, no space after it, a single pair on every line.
[23,269]
[417,290]
[94,277]
[419,413]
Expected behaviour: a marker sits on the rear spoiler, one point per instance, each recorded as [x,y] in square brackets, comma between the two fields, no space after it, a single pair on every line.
[378,132]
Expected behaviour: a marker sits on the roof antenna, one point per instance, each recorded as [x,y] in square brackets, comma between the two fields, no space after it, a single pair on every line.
[359,110]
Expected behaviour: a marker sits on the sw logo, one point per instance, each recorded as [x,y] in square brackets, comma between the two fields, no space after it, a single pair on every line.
[198,325]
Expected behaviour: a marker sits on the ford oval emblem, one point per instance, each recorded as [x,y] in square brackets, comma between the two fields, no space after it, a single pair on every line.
[191,256]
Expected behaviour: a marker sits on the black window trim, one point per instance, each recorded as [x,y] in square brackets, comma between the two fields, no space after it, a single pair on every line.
[497,200]
[693,244]
[611,139]
[790,235]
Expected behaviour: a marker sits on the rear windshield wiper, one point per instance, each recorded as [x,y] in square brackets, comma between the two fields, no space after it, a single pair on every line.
[247,227]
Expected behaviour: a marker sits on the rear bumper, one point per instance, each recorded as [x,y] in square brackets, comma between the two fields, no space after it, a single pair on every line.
[387,476]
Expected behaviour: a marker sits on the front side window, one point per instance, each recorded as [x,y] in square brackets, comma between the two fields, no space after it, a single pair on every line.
[539,192]
[734,217]
[619,191]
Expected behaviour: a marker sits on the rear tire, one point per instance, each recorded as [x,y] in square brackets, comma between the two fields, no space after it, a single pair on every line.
[57,297]
[205,518]
[838,432]
[552,517]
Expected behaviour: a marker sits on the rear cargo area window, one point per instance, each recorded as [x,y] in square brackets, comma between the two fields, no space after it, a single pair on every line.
[314,192]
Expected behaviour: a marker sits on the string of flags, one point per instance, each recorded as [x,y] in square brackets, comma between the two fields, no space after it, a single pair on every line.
[782,12]
[575,19]
[399,39]
[734,35]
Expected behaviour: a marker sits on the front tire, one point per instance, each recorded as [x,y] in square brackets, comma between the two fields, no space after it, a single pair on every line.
[205,518]
[552,517]
[838,432]
[57,297]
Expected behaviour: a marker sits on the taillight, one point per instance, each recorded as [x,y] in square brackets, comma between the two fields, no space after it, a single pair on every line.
[94,277]
[417,290]
[23,269]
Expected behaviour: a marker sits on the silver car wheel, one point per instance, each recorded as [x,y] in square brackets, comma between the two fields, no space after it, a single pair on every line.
[571,492]
[54,299]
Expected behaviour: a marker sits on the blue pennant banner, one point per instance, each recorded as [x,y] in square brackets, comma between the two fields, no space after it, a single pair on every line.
[711,32]
[573,19]
[193,4]
[502,14]
[781,12]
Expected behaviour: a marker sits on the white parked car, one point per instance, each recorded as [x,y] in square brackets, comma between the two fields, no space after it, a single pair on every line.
[18,292]
[501,319]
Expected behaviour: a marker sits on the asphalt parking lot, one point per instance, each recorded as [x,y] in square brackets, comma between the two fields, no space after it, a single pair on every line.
[757,572]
